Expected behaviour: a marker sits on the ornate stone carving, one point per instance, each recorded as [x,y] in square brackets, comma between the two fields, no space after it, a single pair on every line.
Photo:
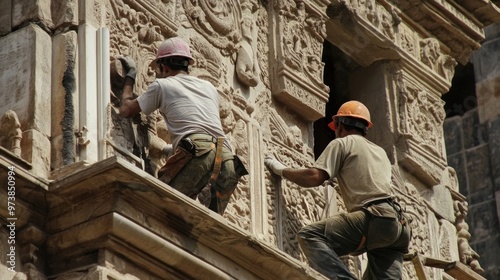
[467,255]
[217,21]
[420,218]
[247,68]
[11,133]
[421,116]
[299,73]
[263,46]
[290,204]
[432,56]
[441,18]
[208,64]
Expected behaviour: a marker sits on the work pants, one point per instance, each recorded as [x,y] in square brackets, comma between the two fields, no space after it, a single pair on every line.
[387,240]
[190,168]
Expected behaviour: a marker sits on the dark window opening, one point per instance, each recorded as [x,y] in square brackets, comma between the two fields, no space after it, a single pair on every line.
[462,95]
[338,67]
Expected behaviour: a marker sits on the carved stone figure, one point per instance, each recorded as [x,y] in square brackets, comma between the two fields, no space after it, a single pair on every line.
[467,255]
[246,64]
[10,132]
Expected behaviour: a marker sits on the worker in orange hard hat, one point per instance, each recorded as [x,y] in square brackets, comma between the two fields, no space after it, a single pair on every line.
[202,165]
[375,222]
[352,113]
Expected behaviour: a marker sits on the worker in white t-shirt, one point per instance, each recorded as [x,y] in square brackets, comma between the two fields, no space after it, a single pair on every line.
[202,166]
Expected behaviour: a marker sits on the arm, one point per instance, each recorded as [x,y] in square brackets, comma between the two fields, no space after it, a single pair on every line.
[307,178]
[129,105]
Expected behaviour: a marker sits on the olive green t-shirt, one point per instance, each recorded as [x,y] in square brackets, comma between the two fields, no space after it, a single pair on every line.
[361,167]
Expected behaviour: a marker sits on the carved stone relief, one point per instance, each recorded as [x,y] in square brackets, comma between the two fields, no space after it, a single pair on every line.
[299,73]
[10,132]
[208,64]
[288,203]
[217,21]
[235,122]
[420,141]
[380,28]
[421,221]
[263,46]
[467,255]
[432,56]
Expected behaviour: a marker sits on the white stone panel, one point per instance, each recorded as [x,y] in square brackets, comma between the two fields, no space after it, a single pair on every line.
[87,54]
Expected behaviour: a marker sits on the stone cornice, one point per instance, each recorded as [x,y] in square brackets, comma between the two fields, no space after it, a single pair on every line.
[137,209]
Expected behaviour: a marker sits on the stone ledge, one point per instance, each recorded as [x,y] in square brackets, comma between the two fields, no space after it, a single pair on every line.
[163,225]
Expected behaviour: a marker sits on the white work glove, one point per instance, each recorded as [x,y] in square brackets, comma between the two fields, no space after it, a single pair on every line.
[272,163]
[129,65]
[168,150]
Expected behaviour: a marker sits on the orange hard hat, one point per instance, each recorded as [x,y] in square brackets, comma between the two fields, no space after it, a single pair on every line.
[174,46]
[352,109]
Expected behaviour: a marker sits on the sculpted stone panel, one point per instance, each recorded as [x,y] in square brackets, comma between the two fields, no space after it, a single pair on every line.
[299,35]
[369,31]
[420,141]
[290,206]
[217,21]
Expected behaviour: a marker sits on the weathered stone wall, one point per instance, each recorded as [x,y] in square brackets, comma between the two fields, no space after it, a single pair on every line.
[61,80]
[472,150]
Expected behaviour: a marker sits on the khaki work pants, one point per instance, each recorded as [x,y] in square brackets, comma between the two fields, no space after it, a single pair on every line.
[189,169]
[387,241]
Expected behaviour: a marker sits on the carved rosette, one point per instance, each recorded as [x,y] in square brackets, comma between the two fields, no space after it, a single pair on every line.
[420,142]
[299,34]
[218,21]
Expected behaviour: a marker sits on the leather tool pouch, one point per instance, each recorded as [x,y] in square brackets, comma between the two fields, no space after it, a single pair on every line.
[239,168]
[174,164]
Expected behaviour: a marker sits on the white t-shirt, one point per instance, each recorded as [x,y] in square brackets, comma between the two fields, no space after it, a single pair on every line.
[188,105]
[361,167]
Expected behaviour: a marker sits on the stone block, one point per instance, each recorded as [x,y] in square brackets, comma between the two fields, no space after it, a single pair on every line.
[494,144]
[64,98]
[25,77]
[440,201]
[488,256]
[64,13]
[483,221]
[474,134]
[453,135]
[35,148]
[448,239]
[479,172]
[5,17]
[31,11]
[457,161]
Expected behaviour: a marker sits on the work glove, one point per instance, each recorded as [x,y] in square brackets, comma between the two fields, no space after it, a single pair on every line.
[272,163]
[129,65]
[168,150]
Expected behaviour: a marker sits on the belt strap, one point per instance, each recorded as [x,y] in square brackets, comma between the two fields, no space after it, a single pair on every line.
[218,160]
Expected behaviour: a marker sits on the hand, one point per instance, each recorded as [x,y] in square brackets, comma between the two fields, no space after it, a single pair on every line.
[167,150]
[129,65]
[272,163]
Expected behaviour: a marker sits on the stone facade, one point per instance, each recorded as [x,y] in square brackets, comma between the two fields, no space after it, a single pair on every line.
[472,144]
[84,201]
